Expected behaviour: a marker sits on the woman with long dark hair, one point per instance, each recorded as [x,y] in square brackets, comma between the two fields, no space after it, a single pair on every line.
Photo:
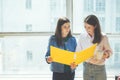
[94,68]
[63,40]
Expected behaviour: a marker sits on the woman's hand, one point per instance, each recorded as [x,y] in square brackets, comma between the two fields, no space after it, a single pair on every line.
[106,55]
[49,59]
[73,65]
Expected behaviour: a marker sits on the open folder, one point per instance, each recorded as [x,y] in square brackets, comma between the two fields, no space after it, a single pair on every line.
[68,57]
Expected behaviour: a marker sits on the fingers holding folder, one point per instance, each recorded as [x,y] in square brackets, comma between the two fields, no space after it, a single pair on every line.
[73,65]
[49,59]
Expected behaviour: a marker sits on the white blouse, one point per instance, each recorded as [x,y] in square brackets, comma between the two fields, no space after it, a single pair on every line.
[85,41]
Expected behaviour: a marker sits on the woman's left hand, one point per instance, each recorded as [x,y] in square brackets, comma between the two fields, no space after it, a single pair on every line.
[106,55]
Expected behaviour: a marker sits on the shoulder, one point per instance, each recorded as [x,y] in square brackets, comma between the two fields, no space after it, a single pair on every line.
[72,38]
[52,38]
[104,36]
[72,41]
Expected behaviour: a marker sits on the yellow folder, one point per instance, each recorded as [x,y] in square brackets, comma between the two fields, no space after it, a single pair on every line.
[68,57]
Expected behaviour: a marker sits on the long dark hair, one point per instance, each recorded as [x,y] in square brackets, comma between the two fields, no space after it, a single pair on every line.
[93,20]
[58,35]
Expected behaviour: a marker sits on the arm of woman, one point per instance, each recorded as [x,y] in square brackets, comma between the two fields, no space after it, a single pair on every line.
[47,56]
[107,48]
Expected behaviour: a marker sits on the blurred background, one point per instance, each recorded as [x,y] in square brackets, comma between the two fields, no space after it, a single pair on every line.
[26,25]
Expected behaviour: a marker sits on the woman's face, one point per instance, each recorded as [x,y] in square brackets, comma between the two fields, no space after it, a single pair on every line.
[65,29]
[89,28]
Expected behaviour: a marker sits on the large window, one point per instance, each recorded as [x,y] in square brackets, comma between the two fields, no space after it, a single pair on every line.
[26,25]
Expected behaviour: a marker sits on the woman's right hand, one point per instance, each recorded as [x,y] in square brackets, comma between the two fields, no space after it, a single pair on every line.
[49,59]
[73,65]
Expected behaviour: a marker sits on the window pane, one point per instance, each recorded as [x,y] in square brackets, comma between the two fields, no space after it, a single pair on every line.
[113,64]
[100,5]
[31,15]
[101,8]
[88,5]
[118,24]
[28,4]
[24,55]
[118,6]
[102,23]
